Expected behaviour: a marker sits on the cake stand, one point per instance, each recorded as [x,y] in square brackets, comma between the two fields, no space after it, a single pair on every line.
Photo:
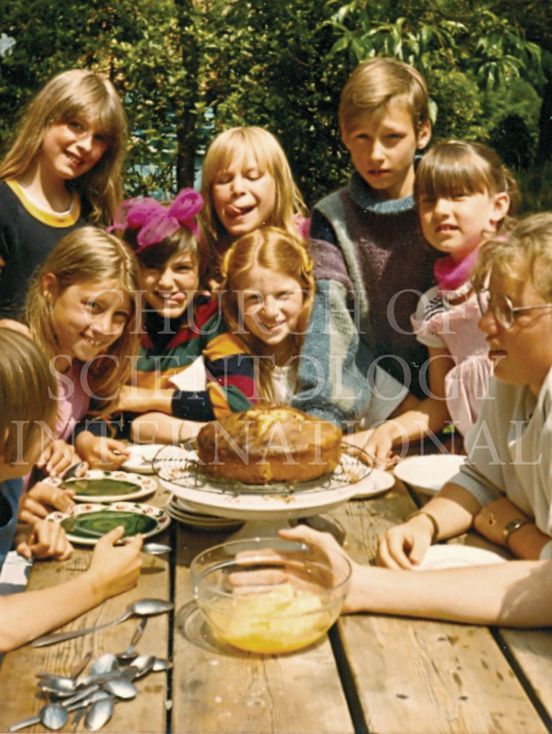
[265,508]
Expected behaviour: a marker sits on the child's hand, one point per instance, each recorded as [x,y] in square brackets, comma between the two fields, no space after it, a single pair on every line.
[42,499]
[115,569]
[377,444]
[101,452]
[56,458]
[44,540]
[405,545]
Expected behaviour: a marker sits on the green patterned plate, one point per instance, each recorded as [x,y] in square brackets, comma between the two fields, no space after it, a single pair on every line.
[110,486]
[87,522]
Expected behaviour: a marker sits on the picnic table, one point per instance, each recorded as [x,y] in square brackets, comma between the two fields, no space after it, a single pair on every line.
[371,673]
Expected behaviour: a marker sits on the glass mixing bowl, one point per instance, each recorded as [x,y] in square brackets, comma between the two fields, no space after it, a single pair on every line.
[269,595]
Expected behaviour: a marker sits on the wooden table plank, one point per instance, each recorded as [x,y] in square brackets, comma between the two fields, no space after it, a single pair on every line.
[532,651]
[146,713]
[422,676]
[218,689]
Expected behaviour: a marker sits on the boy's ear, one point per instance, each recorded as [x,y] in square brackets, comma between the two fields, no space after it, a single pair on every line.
[424,135]
[50,286]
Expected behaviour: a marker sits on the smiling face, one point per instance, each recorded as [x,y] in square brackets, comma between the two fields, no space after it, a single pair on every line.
[382,147]
[71,149]
[244,195]
[523,353]
[87,317]
[458,224]
[271,304]
[169,289]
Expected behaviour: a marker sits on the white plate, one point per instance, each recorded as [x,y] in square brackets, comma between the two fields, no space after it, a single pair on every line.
[141,486]
[430,472]
[455,556]
[158,519]
[376,482]
[140,457]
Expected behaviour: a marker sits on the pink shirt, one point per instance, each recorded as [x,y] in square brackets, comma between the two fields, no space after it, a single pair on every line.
[73,401]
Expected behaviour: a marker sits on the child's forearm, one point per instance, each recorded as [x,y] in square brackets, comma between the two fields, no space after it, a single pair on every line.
[26,615]
[429,416]
[513,593]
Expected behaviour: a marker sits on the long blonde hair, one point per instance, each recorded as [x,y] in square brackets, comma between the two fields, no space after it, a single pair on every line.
[269,154]
[76,93]
[280,252]
[27,394]
[89,255]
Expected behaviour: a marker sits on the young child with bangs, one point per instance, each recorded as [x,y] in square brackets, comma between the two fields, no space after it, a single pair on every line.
[464,195]
[384,120]
[190,368]
[63,170]
[247,184]
[27,396]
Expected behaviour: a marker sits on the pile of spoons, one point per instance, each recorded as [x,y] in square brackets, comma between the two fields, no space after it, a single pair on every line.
[93,695]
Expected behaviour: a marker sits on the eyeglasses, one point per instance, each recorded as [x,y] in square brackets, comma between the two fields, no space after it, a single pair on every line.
[503,310]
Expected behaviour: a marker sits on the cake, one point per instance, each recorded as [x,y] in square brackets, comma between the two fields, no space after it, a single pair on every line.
[269,444]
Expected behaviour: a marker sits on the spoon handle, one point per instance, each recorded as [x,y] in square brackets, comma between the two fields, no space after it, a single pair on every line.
[62,636]
[31,721]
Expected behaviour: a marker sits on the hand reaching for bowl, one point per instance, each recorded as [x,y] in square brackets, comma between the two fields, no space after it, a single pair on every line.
[333,562]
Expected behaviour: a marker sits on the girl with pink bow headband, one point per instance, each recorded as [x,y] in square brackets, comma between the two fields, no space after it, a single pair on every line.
[190,369]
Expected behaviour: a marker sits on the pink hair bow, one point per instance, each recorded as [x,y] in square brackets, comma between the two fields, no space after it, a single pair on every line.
[156,222]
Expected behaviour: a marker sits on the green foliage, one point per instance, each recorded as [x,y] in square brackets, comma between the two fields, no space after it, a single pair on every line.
[187,69]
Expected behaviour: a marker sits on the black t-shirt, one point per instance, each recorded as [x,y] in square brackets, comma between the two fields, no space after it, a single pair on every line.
[27,235]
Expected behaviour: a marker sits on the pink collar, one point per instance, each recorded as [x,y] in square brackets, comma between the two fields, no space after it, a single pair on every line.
[450,274]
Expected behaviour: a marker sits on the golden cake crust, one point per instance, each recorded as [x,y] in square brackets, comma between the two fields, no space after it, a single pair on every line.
[269,444]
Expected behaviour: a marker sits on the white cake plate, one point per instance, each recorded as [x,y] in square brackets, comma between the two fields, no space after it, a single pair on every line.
[267,508]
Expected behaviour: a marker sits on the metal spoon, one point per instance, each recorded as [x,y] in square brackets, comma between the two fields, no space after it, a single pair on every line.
[99,714]
[121,688]
[140,666]
[54,716]
[130,653]
[141,607]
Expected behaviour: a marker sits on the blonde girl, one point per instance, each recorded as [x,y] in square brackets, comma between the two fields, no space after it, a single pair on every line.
[63,169]
[247,184]
[27,396]
[82,312]
[464,195]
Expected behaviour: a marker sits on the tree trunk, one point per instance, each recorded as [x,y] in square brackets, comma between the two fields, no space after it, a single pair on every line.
[544,150]
[186,120]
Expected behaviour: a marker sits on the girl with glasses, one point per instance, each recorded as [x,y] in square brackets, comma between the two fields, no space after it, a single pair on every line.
[504,490]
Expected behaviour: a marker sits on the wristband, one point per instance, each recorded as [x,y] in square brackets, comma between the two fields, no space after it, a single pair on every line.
[433,521]
[511,527]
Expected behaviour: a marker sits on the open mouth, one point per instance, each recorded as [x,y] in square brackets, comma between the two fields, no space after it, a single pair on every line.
[234,212]
[177,297]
